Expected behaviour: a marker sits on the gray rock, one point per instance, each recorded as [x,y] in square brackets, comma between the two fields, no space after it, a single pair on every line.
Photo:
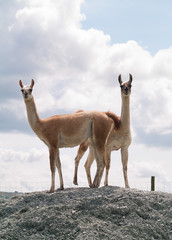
[84,213]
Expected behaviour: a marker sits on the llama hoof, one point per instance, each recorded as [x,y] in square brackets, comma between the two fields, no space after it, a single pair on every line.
[50,191]
[75,182]
[60,189]
[95,184]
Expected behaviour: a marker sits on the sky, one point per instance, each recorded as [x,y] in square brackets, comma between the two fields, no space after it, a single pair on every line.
[75,50]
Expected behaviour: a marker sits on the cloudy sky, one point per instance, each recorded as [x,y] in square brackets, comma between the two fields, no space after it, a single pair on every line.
[75,51]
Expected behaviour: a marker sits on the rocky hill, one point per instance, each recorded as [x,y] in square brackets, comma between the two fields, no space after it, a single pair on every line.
[83,213]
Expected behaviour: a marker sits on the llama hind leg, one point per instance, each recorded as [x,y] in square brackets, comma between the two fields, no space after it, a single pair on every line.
[100,159]
[82,149]
[99,142]
[87,166]
[58,165]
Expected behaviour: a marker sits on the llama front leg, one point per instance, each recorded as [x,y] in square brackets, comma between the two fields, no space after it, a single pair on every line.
[58,165]
[88,164]
[124,158]
[52,156]
[82,149]
[107,164]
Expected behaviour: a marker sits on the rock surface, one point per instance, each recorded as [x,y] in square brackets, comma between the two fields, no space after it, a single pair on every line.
[83,213]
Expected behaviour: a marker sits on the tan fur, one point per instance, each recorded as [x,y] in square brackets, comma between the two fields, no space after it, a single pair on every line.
[120,138]
[115,118]
[69,130]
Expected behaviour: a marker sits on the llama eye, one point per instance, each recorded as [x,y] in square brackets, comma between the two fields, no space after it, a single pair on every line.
[22,90]
[30,90]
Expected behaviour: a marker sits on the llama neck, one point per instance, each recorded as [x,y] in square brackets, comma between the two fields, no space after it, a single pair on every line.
[125,113]
[32,114]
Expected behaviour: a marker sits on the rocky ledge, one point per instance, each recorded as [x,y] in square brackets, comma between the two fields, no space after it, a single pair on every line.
[83,213]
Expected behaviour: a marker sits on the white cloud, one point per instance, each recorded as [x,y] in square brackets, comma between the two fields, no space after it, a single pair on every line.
[81,65]
[76,69]
[49,12]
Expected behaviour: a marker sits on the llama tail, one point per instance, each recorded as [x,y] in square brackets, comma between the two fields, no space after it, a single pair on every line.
[115,118]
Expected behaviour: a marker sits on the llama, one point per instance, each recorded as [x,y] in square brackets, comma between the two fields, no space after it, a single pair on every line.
[68,130]
[84,146]
[120,138]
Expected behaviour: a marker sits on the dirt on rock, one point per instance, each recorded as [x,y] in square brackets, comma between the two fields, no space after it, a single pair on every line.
[87,214]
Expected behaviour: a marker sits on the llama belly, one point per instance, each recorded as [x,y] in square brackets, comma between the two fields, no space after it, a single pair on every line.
[68,142]
[119,142]
[74,132]
[115,147]
[61,141]
[72,141]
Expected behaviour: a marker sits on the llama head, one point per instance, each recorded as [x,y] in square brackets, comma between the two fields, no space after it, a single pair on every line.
[125,86]
[27,90]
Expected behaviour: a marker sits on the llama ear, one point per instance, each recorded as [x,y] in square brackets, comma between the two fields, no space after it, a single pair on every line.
[32,83]
[120,80]
[21,84]
[130,79]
